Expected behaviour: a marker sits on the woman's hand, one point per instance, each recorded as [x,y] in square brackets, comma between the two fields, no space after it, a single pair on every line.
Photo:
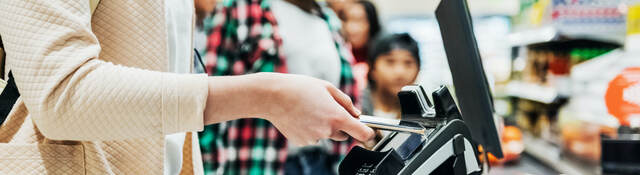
[304,109]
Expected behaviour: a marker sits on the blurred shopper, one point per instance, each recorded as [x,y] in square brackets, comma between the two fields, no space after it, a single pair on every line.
[312,46]
[102,92]
[204,10]
[294,36]
[394,61]
[361,25]
[338,6]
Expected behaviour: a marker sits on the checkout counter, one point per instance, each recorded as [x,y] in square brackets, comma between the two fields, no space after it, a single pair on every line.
[451,135]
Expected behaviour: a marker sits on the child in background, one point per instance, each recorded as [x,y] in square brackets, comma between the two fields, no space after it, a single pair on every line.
[394,62]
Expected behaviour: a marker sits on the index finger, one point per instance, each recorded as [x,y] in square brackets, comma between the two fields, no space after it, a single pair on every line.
[344,100]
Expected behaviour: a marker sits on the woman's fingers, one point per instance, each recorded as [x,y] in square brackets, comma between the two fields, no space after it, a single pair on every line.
[303,111]
[339,136]
[349,124]
[355,129]
[344,100]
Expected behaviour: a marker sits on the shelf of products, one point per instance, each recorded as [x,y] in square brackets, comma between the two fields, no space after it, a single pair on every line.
[558,61]
[544,34]
[542,21]
[566,55]
[531,91]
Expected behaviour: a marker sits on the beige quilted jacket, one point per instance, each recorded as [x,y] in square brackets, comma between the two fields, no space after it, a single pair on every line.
[95,94]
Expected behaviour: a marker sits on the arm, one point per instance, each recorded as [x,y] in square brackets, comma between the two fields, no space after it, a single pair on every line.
[304,109]
[72,95]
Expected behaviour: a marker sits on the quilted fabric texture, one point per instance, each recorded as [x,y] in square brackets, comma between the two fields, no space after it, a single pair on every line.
[96,80]
[57,159]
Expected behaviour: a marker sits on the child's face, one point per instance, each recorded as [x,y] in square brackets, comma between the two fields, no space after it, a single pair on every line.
[394,70]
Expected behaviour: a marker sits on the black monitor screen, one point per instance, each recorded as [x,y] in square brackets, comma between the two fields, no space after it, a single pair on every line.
[469,80]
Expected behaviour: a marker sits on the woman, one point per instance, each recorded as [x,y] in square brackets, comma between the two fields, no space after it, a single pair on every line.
[338,5]
[394,61]
[361,25]
[100,90]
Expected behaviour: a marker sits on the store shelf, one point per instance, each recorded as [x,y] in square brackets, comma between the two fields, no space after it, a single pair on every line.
[415,8]
[530,91]
[551,34]
[524,165]
[533,36]
[550,155]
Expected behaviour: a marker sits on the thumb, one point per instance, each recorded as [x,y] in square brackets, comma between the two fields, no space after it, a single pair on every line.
[356,129]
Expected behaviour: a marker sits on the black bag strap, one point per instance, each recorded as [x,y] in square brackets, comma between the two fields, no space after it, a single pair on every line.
[8,98]
[2,55]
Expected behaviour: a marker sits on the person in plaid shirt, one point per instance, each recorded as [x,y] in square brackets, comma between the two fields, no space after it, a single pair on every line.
[244,38]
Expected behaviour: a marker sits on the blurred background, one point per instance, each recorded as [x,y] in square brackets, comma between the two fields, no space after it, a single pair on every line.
[564,74]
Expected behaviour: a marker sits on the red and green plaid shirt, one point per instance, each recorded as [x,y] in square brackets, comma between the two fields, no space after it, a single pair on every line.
[244,38]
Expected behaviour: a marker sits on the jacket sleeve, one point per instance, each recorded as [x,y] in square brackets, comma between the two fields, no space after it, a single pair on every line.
[73,95]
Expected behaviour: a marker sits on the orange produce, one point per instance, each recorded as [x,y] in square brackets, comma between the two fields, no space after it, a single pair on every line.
[512,146]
